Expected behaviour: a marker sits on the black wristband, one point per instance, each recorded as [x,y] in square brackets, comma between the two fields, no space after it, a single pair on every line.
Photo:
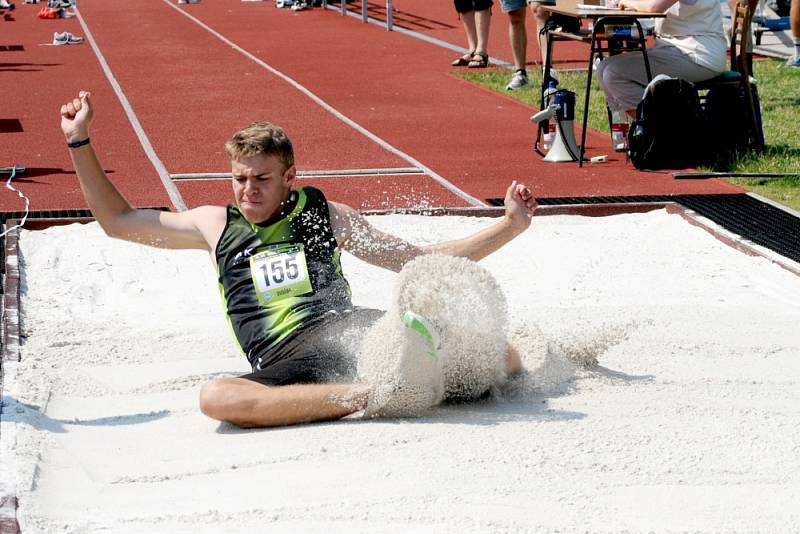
[77,144]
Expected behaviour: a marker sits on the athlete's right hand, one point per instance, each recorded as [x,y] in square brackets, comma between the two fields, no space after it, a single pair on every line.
[76,116]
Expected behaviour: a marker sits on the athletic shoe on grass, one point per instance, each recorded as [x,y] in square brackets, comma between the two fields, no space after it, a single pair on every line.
[518,80]
[793,61]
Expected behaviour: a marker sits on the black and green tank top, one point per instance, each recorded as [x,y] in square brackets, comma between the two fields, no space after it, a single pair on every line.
[280,277]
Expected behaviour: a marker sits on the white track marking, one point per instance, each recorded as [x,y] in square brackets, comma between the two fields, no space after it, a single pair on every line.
[336,113]
[331,173]
[163,174]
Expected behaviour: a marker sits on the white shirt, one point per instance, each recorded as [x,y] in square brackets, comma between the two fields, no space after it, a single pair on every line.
[695,27]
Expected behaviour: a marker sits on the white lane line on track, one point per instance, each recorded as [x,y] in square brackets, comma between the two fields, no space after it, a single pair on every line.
[336,113]
[163,174]
[330,173]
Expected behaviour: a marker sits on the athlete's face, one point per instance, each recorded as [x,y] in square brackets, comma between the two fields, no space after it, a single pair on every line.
[261,186]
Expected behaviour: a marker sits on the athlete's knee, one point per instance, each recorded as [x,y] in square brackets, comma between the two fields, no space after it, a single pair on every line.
[215,396]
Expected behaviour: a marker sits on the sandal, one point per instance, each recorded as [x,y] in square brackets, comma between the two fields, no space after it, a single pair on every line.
[464,60]
[478,61]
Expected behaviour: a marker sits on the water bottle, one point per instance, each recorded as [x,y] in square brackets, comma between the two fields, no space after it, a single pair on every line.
[619,131]
[549,128]
[622,31]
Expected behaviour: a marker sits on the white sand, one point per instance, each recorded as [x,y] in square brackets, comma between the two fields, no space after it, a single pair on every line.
[689,423]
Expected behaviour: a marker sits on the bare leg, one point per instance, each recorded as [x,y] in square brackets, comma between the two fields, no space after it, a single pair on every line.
[482,20]
[518,37]
[247,403]
[794,21]
[468,20]
[541,18]
[794,18]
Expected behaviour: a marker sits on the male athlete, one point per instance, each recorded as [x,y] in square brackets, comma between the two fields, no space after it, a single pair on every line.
[277,255]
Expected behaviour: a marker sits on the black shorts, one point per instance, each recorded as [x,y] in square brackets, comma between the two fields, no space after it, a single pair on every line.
[323,354]
[465,6]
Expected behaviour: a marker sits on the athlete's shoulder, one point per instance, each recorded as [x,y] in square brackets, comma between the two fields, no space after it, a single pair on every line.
[209,212]
[211,221]
[312,193]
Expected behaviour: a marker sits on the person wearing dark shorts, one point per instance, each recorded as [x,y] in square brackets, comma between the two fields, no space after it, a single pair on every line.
[324,353]
[475,16]
[277,251]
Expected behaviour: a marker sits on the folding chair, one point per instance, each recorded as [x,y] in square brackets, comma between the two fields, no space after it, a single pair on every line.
[739,75]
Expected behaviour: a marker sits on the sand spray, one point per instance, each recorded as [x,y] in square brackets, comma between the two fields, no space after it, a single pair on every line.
[468,309]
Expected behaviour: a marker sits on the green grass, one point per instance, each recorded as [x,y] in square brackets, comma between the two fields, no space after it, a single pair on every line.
[779,91]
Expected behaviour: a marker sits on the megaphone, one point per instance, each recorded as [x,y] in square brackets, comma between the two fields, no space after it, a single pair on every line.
[561,104]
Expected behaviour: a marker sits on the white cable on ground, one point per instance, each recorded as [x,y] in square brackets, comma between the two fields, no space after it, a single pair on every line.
[27,202]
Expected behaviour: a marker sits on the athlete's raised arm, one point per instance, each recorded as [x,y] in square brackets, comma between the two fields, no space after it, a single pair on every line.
[356,235]
[198,228]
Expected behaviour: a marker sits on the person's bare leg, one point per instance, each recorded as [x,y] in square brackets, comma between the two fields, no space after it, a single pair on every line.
[482,20]
[518,37]
[468,20]
[247,403]
[541,18]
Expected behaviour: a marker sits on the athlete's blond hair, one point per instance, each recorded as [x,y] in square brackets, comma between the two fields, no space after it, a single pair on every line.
[261,138]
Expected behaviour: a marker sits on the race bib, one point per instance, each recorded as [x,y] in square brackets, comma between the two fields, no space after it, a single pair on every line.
[280,272]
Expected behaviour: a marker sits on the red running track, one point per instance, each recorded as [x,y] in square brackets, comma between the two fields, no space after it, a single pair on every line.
[195,73]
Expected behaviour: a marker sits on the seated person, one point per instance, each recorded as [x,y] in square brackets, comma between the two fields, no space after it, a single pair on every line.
[690,44]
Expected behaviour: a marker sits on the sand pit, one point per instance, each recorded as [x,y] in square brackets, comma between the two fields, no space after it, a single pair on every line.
[688,423]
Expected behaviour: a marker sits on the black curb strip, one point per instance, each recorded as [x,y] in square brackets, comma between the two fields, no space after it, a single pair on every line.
[10,352]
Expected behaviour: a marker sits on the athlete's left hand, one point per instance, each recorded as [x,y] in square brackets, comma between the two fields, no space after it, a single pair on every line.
[520,205]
